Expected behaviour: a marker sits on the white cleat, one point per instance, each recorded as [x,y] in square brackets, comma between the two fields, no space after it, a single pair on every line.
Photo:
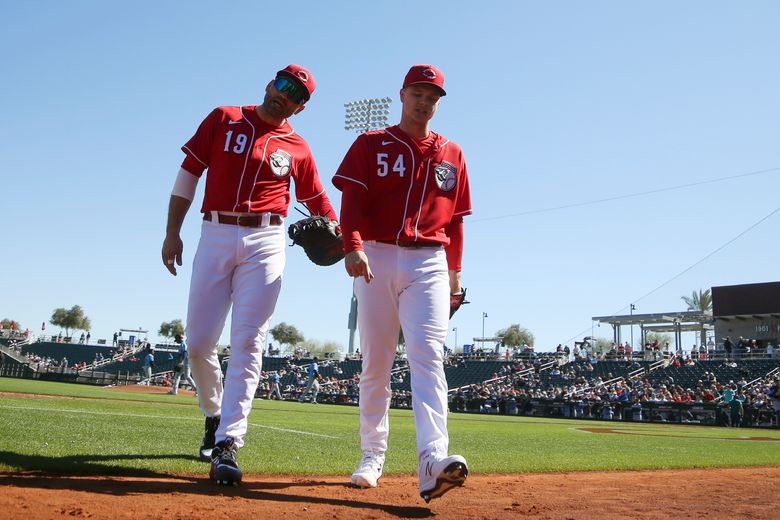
[439,475]
[369,470]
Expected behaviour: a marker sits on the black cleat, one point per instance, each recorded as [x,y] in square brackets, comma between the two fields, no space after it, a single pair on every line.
[224,468]
[209,437]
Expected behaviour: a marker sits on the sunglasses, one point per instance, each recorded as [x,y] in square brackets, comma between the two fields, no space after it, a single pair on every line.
[293,92]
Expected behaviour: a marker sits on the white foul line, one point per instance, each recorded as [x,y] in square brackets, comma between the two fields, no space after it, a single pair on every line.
[286,430]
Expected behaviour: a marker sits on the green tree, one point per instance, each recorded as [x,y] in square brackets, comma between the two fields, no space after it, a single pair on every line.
[286,334]
[652,337]
[73,318]
[171,329]
[320,349]
[599,344]
[515,335]
[700,301]
[6,322]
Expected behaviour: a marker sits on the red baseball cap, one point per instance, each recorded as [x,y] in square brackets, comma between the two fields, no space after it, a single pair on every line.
[425,73]
[301,76]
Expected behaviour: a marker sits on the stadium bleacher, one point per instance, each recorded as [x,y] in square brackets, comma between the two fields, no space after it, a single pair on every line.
[541,379]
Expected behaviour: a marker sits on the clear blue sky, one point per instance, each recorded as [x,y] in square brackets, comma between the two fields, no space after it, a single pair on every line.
[554,103]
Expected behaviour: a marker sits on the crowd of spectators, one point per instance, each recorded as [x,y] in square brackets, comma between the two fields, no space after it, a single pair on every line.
[581,394]
[566,383]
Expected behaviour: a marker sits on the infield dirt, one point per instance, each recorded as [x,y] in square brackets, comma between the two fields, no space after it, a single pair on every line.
[733,493]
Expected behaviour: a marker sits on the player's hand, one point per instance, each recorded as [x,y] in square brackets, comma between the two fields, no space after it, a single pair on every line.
[356,264]
[172,252]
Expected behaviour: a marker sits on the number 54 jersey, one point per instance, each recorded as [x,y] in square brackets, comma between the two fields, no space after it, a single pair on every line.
[250,164]
[414,188]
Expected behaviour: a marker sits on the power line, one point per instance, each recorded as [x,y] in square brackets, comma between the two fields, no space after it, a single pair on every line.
[706,257]
[626,196]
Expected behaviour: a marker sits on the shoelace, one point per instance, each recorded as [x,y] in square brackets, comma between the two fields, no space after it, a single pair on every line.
[369,459]
[227,456]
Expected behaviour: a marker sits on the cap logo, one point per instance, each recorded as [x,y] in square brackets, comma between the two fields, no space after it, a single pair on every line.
[302,75]
[429,73]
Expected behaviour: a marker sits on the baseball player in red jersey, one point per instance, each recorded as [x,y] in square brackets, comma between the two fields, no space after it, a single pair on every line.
[405,192]
[251,153]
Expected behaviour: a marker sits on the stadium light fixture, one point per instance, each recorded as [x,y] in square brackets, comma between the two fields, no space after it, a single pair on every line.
[364,115]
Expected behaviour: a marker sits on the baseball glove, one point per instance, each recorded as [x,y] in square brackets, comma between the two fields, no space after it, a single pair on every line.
[320,239]
[456,300]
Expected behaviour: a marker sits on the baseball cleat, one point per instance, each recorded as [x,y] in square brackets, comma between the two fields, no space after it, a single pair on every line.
[369,470]
[224,468]
[439,475]
[212,423]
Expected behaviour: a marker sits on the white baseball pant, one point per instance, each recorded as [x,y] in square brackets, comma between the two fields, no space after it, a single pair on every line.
[411,289]
[185,373]
[241,266]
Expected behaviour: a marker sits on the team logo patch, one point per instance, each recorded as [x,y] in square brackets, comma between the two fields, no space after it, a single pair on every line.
[446,176]
[429,73]
[280,162]
[302,76]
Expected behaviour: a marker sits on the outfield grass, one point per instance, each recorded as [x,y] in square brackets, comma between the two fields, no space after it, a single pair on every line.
[90,430]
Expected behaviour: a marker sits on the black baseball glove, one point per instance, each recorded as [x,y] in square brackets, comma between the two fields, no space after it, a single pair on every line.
[456,300]
[320,239]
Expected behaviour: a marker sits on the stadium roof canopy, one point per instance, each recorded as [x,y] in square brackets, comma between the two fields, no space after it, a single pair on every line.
[677,322]
[656,318]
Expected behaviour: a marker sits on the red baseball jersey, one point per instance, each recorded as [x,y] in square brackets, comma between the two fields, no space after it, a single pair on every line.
[413,190]
[250,164]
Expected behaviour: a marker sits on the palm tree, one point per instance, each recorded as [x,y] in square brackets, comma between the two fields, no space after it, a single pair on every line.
[699,301]
[702,302]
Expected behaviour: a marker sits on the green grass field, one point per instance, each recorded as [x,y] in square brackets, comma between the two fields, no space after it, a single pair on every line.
[89,430]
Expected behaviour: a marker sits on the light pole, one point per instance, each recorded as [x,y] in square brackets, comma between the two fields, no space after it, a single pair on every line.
[363,115]
[484,315]
[633,308]
[455,330]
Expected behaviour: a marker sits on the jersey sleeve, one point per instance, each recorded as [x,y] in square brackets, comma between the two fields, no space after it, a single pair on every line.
[353,168]
[463,200]
[309,190]
[198,148]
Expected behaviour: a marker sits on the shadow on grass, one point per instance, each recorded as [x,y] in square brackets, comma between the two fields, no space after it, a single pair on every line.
[39,472]
[85,465]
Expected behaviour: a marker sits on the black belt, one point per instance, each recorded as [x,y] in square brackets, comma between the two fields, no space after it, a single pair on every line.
[411,243]
[244,220]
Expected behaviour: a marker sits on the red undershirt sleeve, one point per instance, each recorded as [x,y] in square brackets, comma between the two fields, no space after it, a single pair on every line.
[321,206]
[309,190]
[353,200]
[454,251]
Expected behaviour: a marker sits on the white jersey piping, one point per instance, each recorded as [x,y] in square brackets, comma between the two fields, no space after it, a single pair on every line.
[422,197]
[351,180]
[411,184]
[262,160]
[246,161]
[195,156]
[311,198]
